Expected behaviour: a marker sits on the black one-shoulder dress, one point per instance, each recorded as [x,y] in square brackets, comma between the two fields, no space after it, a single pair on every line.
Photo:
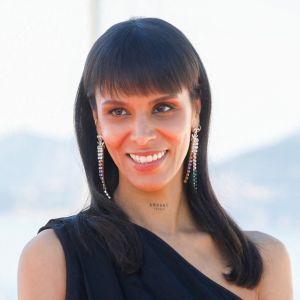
[165,274]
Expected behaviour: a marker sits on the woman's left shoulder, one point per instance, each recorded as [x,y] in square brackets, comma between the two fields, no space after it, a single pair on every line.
[265,241]
[276,281]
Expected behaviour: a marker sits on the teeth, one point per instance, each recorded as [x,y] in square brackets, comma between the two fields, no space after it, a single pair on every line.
[147,159]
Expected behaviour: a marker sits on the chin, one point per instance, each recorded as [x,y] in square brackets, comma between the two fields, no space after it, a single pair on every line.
[149,187]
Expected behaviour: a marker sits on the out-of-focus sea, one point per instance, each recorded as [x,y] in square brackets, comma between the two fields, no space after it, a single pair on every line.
[17,230]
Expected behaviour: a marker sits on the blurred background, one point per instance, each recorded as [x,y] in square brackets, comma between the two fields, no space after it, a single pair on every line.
[250,50]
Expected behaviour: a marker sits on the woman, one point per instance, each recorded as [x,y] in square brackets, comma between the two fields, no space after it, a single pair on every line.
[154,228]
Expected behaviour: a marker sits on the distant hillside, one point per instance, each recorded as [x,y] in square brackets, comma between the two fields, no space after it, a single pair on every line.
[262,187]
[39,172]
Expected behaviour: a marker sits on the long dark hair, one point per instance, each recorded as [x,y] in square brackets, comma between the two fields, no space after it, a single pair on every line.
[140,56]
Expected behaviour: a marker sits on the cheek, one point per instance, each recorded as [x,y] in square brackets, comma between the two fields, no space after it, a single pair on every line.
[114,134]
[176,129]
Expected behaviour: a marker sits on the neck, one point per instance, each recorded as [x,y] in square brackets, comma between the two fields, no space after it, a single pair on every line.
[163,211]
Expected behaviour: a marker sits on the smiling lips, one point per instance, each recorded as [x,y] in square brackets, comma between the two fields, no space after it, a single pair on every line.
[144,159]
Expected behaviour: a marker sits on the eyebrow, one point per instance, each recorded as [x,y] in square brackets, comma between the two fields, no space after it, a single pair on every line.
[119,102]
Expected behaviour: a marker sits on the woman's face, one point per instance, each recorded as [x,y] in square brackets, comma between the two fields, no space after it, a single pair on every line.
[147,136]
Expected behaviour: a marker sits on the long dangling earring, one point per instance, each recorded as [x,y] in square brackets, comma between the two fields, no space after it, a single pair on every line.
[100,150]
[193,157]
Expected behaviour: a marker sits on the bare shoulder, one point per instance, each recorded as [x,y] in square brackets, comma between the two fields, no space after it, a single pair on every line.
[265,241]
[42,268]
[276,282]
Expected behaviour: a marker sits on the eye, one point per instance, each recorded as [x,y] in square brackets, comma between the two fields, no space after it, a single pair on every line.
[164,107]
[117,112]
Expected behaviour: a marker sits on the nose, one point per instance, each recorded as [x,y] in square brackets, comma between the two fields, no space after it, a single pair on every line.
[142,131]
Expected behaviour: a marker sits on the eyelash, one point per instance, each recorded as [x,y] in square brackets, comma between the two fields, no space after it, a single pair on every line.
[111,112]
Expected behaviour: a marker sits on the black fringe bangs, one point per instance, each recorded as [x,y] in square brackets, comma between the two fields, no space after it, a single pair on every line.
[141,60]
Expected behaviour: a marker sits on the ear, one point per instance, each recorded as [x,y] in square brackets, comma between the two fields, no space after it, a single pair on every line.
[196,106]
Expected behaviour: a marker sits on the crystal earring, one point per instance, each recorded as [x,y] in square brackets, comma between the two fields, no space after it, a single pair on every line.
[193,157]
[100,150]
